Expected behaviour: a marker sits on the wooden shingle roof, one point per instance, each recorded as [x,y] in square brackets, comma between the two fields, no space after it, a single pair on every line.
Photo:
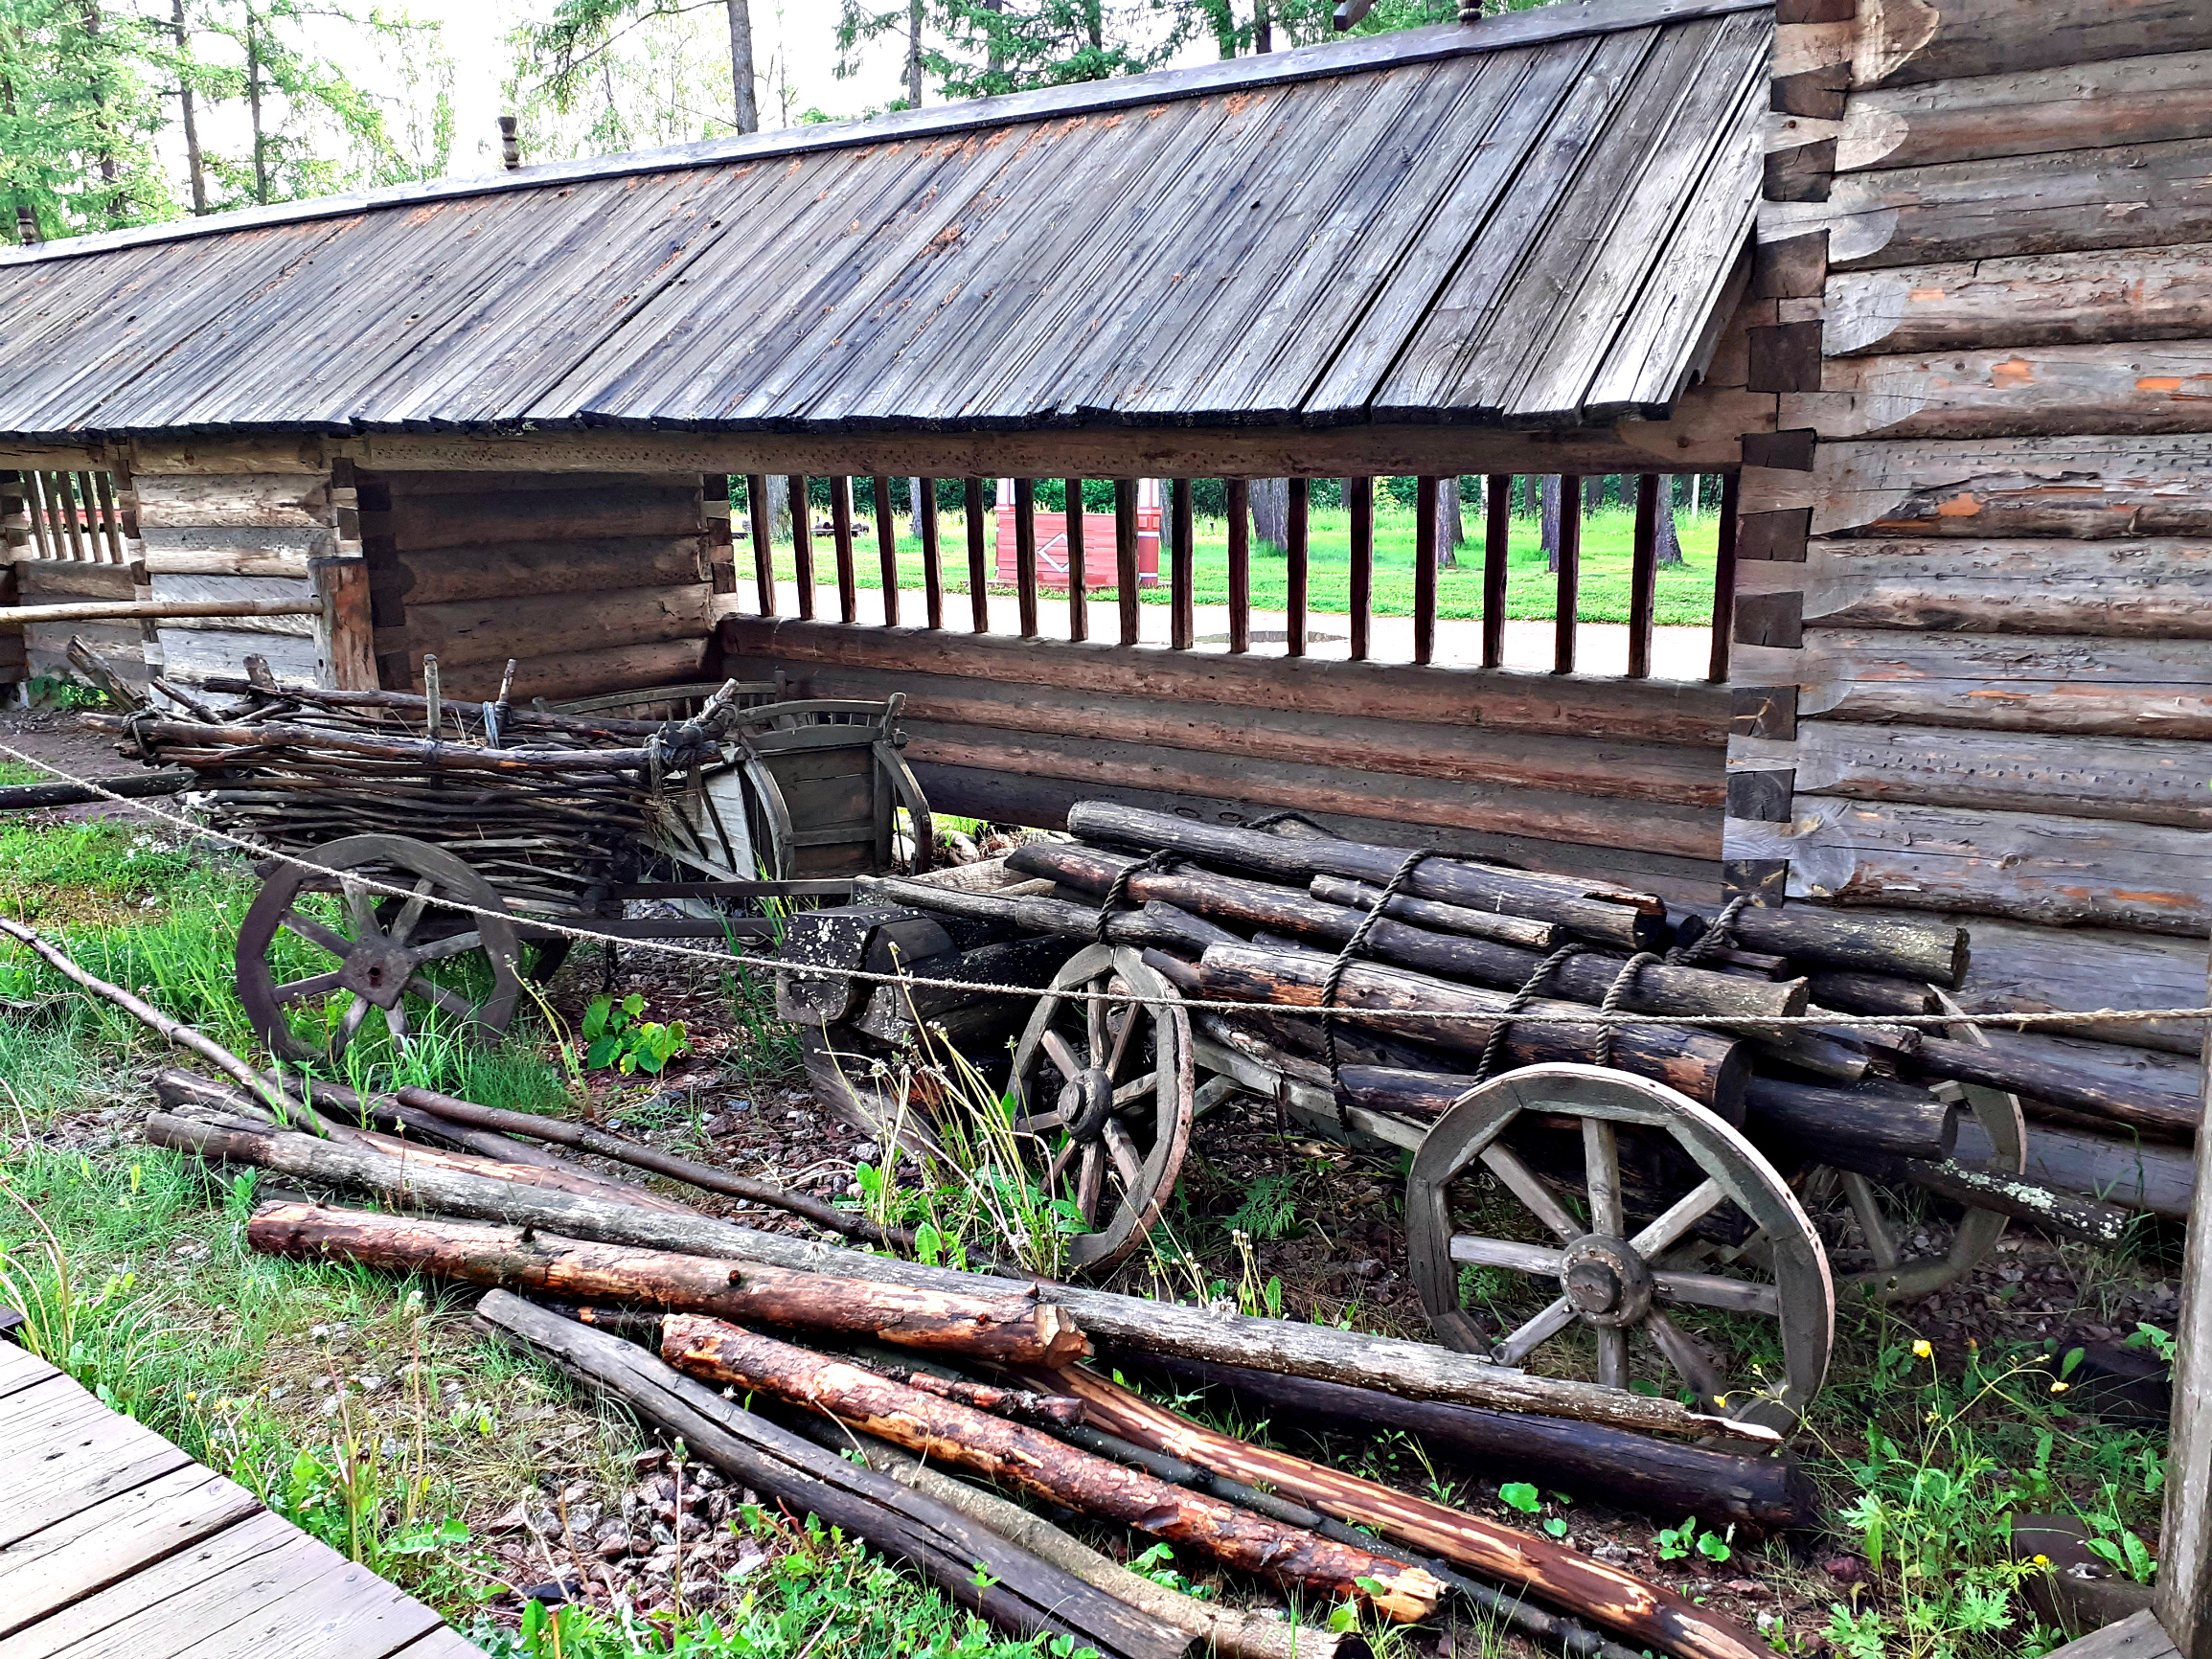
[1525,222]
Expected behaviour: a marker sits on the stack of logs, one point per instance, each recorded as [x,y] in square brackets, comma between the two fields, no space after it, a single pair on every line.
[1259,917]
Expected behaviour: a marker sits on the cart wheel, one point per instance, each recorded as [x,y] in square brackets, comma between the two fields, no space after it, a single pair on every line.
[378,962]
[1104,1092]
[1613,1280]
[1895,1276]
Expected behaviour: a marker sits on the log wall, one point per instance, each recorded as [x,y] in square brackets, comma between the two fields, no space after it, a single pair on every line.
[592,581]
[1975,586]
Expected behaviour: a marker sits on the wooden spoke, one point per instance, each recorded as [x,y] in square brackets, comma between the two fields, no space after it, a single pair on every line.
[1860,1192]
[1612,1355]
[1123,1152]
[1095,1029]
[1090,1180]
[403,926]
[314,985]
[1134,1092]
[1688,1360]
[439,997]
[317,933]
[1602,1174]
[361,908]
[396,1021]
[352,1022]
[1062,1055]
[1526,1185]
[456,945]
[1130,1016]
[1541,1330]
[1058,1167]
[1684,1213]
[1042,1124]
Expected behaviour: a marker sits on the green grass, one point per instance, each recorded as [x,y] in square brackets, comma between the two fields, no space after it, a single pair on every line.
[1685,595]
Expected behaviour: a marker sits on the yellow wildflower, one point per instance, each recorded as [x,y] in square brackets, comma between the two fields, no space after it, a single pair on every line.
[2061,1387]
[1924,1348]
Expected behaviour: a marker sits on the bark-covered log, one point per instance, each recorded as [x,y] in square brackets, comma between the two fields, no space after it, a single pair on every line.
[1014,1329]
[1657,987]
[135,786]
[1634,1471]
[1541,936]
[1892,1120]
[1419,1371]
[1603,915]
[974,1565]
[1158,925]
[1603,1594]
[2054,1082]
[1708,1068]
[1035,1462]
[613,1148]
[1021,1405]
[1807,934]
[1852,993]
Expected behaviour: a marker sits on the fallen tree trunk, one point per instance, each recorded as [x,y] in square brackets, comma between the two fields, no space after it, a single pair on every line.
[974,1565]
[1230,1632]
[1604,1594]
[1021,1405]
[1034,1461]
[1629,1470]
[704,1177]
[1603,915]
[1709,1068]
[1014,1329]
[1417,1370]
[1656,987]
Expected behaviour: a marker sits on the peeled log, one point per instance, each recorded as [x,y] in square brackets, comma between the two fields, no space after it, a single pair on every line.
[1031,1460]
[1659,987]
[1598,1592]
[1585,910]
[1013,1329]
[1710,1069]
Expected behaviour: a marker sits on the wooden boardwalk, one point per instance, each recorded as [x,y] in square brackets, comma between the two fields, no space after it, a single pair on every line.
[115,1545]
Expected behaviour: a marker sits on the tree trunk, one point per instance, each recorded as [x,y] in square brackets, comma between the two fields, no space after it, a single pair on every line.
[1270,499]
[1034,1461]
[916,505]
[779,505]
[1559,1574]
[1263,27]
[746,103]
[1549,519]
[971,1564]
[914,71]
[1668,541]
[194,166]
[1450,527]
[254,108]
[1012,1330]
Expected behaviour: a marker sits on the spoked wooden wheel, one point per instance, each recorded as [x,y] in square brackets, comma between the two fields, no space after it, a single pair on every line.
[380,962]
[1897,1275]
[1103,1091]
[1613,1280]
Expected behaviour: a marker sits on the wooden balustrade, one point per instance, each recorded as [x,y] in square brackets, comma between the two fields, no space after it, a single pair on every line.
[74,516]
[1043,551]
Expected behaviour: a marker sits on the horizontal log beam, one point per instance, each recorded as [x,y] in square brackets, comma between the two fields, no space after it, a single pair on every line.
[550,624]
[2083,105]
[154,610]
[524,568]
[2011,391]
[1905,44]
[2033,300]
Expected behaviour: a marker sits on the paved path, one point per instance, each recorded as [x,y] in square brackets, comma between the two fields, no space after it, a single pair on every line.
[1600,648]
[115,1545]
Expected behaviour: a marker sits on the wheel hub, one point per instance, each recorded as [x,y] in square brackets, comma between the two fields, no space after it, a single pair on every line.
[1085,1102]
[378,970]
[1605,1280]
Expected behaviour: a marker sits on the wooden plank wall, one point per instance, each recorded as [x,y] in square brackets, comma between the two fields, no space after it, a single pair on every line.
[1610,777]
[1976,575]
[593,582]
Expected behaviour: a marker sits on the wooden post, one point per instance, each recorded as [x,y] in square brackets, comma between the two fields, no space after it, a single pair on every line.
[803,546]
[1496,549]
[1126,557]
[1025,553]
[1424,554]
[1239,566]
[761,517]
[1183,595]
[1644,576]
[2184,1597]
[1295,566]
[345,633]
[978,572]
[1725,579]
[1078,575]
[932,555]
[14,539]
[1359,498]
[841,538]
[887,548]
[1570,573]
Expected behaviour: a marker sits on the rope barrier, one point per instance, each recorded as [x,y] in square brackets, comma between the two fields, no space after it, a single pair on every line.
[1599,1018]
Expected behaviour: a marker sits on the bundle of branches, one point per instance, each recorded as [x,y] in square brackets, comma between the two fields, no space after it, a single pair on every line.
[1261,917]
[545,805]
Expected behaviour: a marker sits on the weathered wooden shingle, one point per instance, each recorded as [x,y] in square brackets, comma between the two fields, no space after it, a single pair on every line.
[1525,222]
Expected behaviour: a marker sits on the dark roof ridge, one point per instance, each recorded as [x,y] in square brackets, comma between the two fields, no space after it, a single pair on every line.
[1350,56]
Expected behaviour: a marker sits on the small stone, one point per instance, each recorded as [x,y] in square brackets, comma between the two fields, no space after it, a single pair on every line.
[613,1548]
[1845,1569]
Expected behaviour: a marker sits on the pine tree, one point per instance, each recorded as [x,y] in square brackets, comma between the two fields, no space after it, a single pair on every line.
[573,55]
[80,111]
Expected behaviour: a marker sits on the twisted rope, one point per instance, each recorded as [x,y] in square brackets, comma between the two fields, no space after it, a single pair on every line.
[1117,894]
[1335,983]
[1714,938]
[1493,1045]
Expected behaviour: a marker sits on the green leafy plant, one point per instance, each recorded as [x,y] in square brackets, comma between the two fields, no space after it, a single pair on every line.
[1522,1496]
[618,1036]
[1268,1211]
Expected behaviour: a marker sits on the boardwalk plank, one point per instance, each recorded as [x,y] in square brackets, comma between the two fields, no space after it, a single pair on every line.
[93,1461]
[88,1551]
[21,1369]
[344,1612]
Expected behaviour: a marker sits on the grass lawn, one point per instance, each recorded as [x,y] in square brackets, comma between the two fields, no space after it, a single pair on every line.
[1685,591]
